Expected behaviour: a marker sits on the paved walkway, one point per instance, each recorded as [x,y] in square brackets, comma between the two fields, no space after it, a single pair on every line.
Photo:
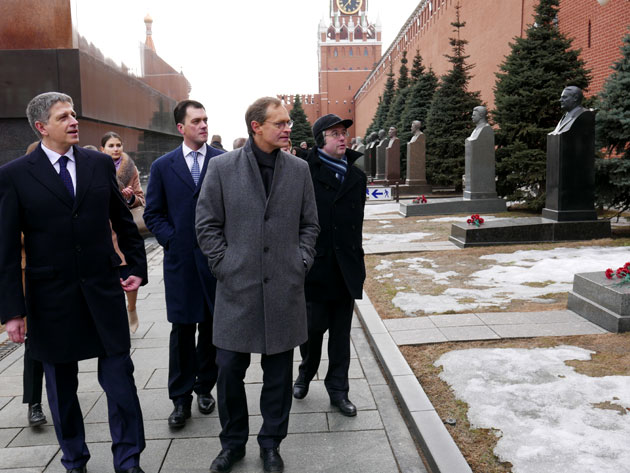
[320,439]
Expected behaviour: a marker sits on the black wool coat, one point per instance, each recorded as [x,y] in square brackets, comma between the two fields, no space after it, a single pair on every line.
[339,258]
[74,302]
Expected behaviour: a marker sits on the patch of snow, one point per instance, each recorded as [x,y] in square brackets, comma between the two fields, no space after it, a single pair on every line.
[508,280]
[386,226]
[384,221]
[382,238]
[543,408]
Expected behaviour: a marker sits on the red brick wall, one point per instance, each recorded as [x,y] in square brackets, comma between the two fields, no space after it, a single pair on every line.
[608,25]
[490,26]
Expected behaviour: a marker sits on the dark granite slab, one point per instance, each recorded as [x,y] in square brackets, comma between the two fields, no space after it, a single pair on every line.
[527,230]
[456,205]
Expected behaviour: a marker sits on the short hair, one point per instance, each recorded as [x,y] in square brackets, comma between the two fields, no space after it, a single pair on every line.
[216,138]
[257,112]
[108,136]
[239,143]
[38,109]
[90,147]
[576,91]
[482,110]
[179,113]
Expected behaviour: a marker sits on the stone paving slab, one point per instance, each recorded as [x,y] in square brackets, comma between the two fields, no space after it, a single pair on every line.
[320,439]
[404,247]
[486,326]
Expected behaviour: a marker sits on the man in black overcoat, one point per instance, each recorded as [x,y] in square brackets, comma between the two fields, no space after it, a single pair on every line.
[336,278]
[62,198]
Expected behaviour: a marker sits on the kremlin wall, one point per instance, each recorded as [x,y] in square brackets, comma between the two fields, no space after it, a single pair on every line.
[490,27]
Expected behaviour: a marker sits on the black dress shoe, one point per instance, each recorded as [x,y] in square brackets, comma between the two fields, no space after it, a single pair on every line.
[178,416]
[81,469]
[345,407]
[272,461]
[36,415]
[226,459]
[206,403]
[300,388]
[133,469]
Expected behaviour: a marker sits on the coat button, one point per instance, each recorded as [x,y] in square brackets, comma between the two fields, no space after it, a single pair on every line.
[266,280]
[266,217]
[266,249]
[75,215]
[78,248]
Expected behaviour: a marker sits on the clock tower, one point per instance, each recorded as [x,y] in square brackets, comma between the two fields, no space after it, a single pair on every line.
[349,46]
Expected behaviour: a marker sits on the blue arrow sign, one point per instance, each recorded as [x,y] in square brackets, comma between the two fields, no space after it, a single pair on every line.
[376,193]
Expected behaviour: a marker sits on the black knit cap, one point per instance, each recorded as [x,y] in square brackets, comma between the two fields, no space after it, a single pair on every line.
[326,122]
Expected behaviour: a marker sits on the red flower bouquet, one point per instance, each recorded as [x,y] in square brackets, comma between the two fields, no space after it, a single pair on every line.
[475,220]
[622,273]
[420,200]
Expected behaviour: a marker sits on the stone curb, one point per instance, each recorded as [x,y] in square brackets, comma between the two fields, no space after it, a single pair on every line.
[437,444]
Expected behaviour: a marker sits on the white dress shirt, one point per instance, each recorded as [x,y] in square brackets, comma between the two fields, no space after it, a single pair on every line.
[71,166]
[201,156]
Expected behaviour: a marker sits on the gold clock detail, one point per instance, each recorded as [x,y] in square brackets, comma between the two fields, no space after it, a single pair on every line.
[349,7]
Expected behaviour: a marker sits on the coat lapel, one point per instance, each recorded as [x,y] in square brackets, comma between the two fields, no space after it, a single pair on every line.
[180,168]
[85,170]
[45,173]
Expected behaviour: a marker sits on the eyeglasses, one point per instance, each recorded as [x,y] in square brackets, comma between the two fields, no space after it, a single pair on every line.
[337,134]
[282,125]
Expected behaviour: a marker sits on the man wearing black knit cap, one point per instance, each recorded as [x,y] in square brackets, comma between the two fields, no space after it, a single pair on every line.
[336,278]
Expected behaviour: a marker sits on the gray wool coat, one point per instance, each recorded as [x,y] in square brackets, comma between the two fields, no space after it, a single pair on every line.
[257,248]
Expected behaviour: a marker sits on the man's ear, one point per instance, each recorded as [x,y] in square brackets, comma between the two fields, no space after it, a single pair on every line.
[41,127]
[256,127]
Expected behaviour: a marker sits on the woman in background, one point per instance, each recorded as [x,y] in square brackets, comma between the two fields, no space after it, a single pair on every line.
[129,185]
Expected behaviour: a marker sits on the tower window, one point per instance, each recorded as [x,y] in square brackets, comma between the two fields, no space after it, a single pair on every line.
[335,53]
[589,33]
[365,51]
[351,53]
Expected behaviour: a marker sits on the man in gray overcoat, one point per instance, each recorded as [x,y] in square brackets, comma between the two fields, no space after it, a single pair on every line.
[257,224]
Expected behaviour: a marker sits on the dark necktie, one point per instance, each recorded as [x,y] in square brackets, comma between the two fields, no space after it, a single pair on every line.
[65,175]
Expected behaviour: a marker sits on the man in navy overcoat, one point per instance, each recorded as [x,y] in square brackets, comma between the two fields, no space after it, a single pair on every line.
[63,198]
[172,194]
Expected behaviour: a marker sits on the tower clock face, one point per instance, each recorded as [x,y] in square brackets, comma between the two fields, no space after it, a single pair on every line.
[349,7]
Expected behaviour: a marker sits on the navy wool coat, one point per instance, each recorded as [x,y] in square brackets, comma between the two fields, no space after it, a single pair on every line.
[170,215]
[73,301]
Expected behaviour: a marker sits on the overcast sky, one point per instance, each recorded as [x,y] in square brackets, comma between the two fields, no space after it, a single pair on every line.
[232,52]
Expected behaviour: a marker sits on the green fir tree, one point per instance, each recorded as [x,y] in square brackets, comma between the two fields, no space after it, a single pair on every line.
[449,118]
[527,92]
[422,87]
[379,120]
[612,175]
[302,130]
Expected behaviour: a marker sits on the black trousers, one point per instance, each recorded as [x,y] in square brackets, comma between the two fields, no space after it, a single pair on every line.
[32,379]
[275,398]
[336,317]
[115,375]
[191,366]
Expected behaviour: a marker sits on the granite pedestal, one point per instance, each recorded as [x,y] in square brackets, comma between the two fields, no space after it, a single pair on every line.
[527,230]
[602,301]
[456,205]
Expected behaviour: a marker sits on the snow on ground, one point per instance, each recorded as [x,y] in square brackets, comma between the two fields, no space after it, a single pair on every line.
[544,411]
[374,210]
[551,271]
[382,238]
